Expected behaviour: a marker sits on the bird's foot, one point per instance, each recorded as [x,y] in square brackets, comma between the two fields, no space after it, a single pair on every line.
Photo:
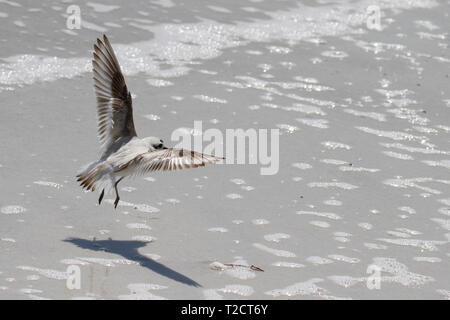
[116,202]
[101,197]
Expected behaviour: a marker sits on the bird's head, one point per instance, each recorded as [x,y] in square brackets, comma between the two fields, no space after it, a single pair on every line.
[155,143]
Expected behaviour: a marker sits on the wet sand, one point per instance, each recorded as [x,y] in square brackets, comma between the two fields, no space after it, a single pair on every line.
[364,179]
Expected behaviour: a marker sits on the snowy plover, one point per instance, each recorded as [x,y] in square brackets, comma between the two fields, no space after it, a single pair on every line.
[124,154]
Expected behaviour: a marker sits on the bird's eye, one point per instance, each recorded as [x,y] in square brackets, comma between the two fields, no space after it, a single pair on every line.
[161,141]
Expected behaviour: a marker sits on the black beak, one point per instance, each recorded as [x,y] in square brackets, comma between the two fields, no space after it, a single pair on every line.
[165,148]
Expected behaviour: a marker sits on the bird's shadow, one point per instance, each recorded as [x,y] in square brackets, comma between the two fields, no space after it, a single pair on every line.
[129,250]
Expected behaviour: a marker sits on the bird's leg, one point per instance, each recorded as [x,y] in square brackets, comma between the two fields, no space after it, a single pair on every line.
[117,193]
[101,197]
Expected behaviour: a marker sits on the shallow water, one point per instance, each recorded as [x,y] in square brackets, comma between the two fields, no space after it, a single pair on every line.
[363,182]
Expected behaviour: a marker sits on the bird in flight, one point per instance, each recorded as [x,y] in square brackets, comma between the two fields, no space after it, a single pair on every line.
[123,153]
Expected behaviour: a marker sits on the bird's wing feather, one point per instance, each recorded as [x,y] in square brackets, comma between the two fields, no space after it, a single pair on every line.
[167,160]
[114,103]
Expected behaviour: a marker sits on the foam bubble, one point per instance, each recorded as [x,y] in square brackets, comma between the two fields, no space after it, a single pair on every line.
[428,259]
[234,196]
[340,185]
[318,260]
[140,207]
[138,226]
[276,237]
[179,44]
[12,209]
[365,225]
[238,181]
[260,221]
[48,184]
[321,224]
[141,291]
[400,156]
[48,273]
[316,123]
[276,252]
[102,8]
[328,215]
[371,115]
[211,294]
[335,54]
[107,262]
[218,229]
[307,288]
[237,289]
[302,166]
[209,99]
[144,238]
[285,264]
[342,258]
[430,245]
[335,145]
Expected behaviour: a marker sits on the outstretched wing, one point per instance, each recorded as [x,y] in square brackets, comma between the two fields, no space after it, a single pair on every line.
[114,105]
[167,160]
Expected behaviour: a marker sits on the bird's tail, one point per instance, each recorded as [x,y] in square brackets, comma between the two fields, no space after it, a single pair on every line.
[96,175]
